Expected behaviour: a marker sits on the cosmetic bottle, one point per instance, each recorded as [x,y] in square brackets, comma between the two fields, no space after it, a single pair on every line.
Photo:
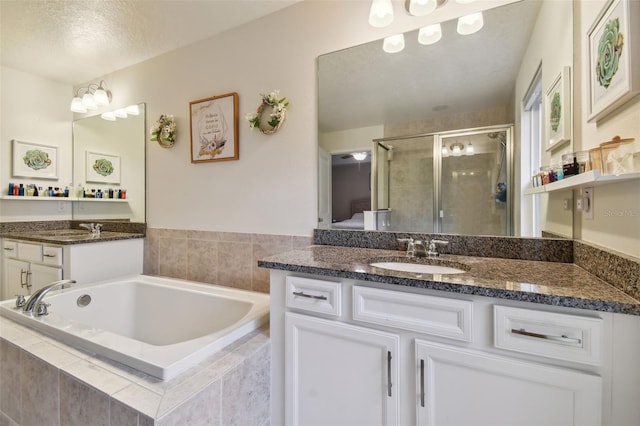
[21,190]
[10,189]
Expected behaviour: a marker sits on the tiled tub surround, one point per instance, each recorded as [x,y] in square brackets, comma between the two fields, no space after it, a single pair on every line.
[224,258]
[45,382]
[552,283]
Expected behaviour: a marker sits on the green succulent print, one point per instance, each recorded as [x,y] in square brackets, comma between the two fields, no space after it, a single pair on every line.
[36,159]
[103,167]
[556,111]
[609,52]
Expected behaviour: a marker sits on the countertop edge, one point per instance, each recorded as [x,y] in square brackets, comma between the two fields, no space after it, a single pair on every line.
[522,296]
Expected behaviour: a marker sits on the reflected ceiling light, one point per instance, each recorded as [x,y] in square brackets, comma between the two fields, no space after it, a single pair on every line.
[120,113]
[445,151]
[393,44]
[359,155]
[470,24]
[95,95]
[469,150]
[381,13]
[422,7]
[465,1]
[430,34]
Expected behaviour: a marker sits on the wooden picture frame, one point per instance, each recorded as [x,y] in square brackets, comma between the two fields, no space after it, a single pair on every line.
[102,168]
[213,124]
[614,59]
[558,109]
[34,160]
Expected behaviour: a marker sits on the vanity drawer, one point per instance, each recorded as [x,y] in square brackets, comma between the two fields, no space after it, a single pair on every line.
[52,255]
[437,316]
[319,296]
[30,252]
[549,334]
[10,248]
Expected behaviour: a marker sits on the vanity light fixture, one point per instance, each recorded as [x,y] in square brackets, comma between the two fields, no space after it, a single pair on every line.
[393,44]
[456,149]
[422,7]
[359,156]
[109,116]
[133,110]
[469,150]
[95,95]
[470,24]
[430,34]
[381,13]
[121,113]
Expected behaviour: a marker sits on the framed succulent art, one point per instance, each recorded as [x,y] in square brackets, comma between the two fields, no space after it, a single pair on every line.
[102,168]
[558,110]
[614,57]
[35,160]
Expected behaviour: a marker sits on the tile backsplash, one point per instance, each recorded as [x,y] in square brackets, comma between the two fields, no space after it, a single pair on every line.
[224,258]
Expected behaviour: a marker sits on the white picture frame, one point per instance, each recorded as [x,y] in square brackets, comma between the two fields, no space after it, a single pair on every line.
[34,160]
[614,62]
[558,110]
[102,168]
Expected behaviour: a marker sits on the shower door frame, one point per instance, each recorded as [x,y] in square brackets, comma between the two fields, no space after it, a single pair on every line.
[437,169]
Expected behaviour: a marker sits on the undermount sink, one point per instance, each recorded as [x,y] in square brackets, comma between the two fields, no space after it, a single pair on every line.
[420,266]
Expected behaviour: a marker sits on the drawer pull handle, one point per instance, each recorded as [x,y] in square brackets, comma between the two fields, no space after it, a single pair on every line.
[563,338]
[389,385]
[8,249]
[310,296]
[422,382]
[49,255]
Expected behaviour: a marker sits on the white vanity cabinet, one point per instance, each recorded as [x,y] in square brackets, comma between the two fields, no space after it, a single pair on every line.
[29,266]
[348,352]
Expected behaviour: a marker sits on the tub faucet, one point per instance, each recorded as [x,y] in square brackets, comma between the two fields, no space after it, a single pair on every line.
[36,298]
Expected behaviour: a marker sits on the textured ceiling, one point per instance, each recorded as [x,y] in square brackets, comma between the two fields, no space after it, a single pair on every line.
[364,86]
[75,41]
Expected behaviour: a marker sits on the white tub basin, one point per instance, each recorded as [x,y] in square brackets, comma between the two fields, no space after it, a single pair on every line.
[417,268]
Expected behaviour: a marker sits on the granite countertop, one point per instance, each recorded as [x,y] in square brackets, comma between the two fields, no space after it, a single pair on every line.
[69,236]
[550,283]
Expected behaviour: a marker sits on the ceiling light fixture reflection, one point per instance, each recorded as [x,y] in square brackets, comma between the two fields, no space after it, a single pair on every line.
[359,155]
[430,34]
[469,150]
[470,24]
[393,44]
[381,13]
[109,116]
[456,149]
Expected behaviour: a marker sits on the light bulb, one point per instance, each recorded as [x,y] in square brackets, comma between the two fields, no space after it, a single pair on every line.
[470,24]
[88,102]
[132,110]
[393,44]
[430,34]
[422,7]
[100,97]
[469,150]
[381,13]
[109,116]
[120,113]
[359,155]
[76,105]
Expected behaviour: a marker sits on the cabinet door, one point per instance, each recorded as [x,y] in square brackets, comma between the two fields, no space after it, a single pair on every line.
[338,374]
[15,274]
[459,387]
[42,276]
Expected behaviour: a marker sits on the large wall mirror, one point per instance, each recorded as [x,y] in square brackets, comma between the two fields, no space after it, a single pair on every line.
[442,92]
[120,146]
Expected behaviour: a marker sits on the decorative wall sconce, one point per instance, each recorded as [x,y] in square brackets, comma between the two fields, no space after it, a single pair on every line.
[95,95]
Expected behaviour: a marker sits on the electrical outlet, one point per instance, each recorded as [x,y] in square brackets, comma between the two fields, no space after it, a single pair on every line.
[587,207]
[566,203]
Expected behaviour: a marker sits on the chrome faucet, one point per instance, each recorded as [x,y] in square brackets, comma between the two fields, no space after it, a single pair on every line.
[94,228]
[433,247]
[35,300]
[411,246]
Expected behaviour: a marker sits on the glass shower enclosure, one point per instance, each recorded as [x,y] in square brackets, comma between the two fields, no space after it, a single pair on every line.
[454,182]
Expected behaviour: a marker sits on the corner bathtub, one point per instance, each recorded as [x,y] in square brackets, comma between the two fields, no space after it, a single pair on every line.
[160,326]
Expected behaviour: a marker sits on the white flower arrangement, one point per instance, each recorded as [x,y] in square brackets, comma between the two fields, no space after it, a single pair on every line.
[277,116]
[164,131]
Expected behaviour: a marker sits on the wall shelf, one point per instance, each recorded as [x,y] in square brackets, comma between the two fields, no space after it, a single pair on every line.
[587,179]
[67,199]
